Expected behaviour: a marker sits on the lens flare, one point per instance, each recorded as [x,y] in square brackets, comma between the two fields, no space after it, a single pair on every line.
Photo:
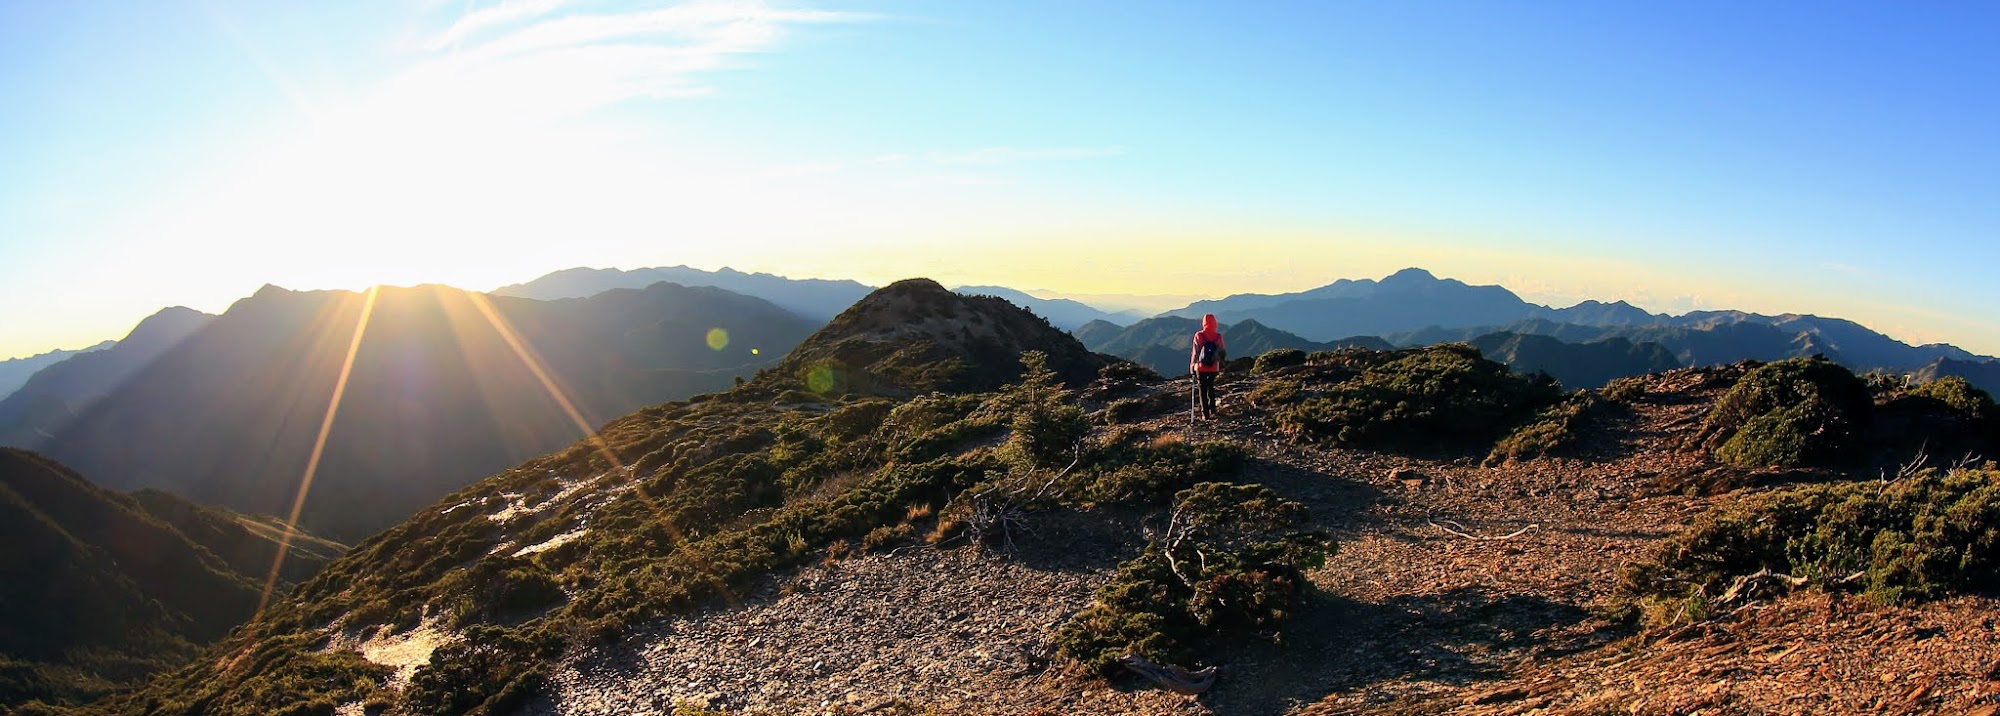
[820,379]
[718,339]
[319,448]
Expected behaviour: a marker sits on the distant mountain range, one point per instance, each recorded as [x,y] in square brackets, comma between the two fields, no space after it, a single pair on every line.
[1406,300]
[1576,365]
[101,588]
[1162,343]
[817,299]
[1064,313]
[54,396]
[1411,307]
[437,396]
[14,372]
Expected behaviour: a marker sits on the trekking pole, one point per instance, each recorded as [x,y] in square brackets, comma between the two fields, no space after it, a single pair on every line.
[1194,398]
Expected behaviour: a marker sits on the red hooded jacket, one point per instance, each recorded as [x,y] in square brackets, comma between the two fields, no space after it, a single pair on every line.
[1208,333]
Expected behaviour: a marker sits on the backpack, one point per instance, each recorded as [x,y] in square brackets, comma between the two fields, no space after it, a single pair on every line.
[1204,353]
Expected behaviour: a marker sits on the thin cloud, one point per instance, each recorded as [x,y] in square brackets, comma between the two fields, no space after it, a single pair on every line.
[502,14]
[525,60]
[801,170]
[1017,155]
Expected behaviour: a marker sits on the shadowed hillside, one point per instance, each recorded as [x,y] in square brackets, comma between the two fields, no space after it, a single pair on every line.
[53,397]
[437,395]
[816,299]
[1063,313]
[97,588]
[15,371]
[1577,365]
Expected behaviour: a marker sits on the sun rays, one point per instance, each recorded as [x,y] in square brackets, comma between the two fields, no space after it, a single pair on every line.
[319,449]
[469,321]
[596,440]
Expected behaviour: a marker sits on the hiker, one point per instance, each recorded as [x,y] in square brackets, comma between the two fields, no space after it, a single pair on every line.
[1205,360]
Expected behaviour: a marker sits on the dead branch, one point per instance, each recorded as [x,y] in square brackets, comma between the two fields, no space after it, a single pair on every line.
[1743,585]
[1176,532]
[1077,451]
[1916,463]
[1463,531]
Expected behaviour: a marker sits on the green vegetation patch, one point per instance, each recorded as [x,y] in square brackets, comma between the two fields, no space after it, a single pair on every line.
[287,675]
[1629,389]
[1919,538]
[1799,412]
[1278,358]
[1957,394]
[1555,429]
[1228,563]
[1439,395]
[1125,466]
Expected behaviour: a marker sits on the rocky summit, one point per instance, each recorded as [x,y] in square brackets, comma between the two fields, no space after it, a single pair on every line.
[914,336]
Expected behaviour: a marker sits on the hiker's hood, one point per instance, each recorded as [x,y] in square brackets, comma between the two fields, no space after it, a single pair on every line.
[1208,323]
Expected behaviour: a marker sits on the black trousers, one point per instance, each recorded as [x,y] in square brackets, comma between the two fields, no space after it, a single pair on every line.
[1205,387]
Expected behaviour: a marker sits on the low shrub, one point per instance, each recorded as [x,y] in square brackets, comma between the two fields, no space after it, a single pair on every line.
[1124,410]
[1553,430]
[1435,396]
[887,535]
[1919,538]
[1275,392]
[1629,389]
[1125,371]
[1124,466]
[1229,563]
[490,672]
[1278,358]
[1797,412]
[278,675]
[1958,394]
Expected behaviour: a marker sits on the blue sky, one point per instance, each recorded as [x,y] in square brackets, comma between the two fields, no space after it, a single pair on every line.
[1831,158]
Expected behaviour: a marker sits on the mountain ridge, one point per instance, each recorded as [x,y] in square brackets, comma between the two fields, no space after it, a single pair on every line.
[816,299]
[438,395]
[15,372]
[54,395]
[1413,302]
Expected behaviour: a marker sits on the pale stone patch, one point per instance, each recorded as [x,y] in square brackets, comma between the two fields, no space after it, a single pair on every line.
[403,652]
[552,542]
